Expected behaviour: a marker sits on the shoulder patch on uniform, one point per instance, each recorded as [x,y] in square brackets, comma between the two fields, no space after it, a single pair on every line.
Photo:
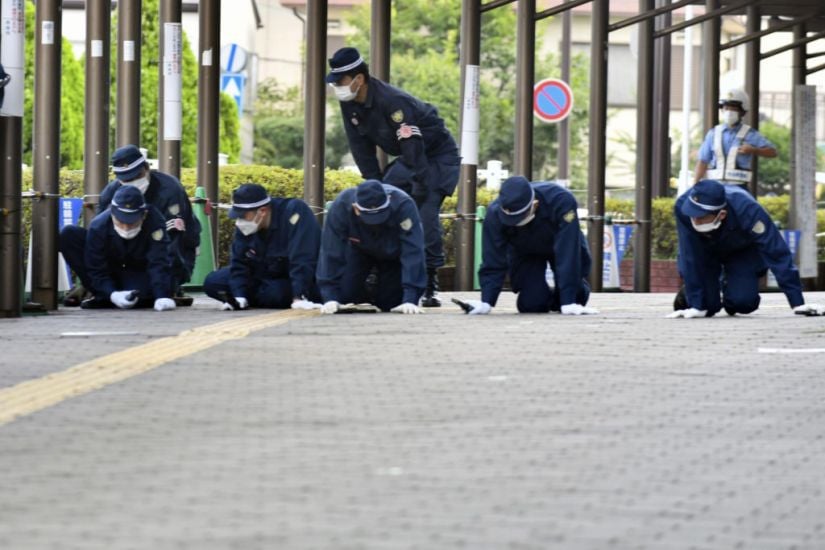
[407,224]
[294,218]
[157,234]
[570,216]
[397,116]
[174,209]
[758,227]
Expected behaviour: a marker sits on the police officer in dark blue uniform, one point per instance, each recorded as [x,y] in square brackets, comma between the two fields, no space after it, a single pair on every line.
[727,241]
[126,257]
[372,226]
[274,254]
[162,191]
[528,226]
[427,167]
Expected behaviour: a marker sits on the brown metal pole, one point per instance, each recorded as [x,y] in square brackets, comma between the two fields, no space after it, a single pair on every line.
[96,145]
[525,69]
[598,138]
[661,105]
[209,24]
[314,110]
[127,128]
[46,149]
[380,31]
[799,55]
[753,25]
[564,125]
[170,109]
[470,56]
[644,152]
[711,35]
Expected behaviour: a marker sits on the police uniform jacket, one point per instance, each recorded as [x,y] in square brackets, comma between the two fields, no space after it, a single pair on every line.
[747,226]
[288,248]
[403,126]
[107,253]
[400,238]
[165,193]
[553,234]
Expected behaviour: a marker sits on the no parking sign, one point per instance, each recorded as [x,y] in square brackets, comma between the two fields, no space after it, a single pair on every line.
[552,100]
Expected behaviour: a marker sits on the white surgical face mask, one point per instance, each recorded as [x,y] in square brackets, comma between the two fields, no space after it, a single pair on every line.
[127,234]
[345,93]
[249,227]
[142,184]
[731,118]
[708,227]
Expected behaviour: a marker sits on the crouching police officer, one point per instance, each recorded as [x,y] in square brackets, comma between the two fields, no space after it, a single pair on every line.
[727,241]
[527,226]
[427,167]
[127,257]
[274,254]
[160,190]
[372,226]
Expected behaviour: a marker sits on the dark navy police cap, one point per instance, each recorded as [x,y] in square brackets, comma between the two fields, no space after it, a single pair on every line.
[515,199]
[373,202]
[249,196]
[342,62]
[706,197]
[128,163]
[128,204]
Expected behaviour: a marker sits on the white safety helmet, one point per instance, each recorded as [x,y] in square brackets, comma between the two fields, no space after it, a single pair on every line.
[735,96]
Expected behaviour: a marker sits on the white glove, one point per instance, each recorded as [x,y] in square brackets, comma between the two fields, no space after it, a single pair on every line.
[809,309]
[164,304]
[691,313]
[407,309]
[175,223]
[479,307]
[120,298]
[330,307]
[303,303]
[226,306]
[243,303]
[578,309]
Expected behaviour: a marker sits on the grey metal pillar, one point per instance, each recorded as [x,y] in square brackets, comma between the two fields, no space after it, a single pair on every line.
[661,106]
[380,31]
[598,138]
[314,109]
[564,125]
[98,91]
[11,184]
[470,56]
[799,55]
[169,77]
[525,69]
[46,149]
[209,25]
[754,25]
[644,152]
[127,128]
[711,35]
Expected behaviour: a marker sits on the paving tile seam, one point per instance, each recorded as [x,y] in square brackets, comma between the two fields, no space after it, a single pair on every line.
[34,395]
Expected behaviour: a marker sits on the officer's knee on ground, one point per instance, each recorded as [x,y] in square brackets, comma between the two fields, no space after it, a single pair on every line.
[530,303]
[741,303]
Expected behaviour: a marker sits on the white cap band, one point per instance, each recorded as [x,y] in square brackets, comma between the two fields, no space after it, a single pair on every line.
[376,209]
[707,207]
[522,210]
[349,67]
[251,205]
[122,169]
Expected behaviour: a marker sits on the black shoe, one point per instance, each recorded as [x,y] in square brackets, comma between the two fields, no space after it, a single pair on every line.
[680,302]
[183,301]
[75,296]
[729,310]
[430,298]
[96,302]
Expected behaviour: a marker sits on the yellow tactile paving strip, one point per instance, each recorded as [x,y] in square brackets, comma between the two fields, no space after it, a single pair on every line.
[35,395]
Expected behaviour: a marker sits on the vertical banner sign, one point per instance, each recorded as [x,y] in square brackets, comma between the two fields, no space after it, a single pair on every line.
[12,55]
[616,239]
[172,82]
[470,116]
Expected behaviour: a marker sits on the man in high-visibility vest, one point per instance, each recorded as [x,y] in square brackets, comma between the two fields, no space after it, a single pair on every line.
[727,153]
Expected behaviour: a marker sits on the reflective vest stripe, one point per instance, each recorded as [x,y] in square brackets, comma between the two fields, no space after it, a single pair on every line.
[728,172]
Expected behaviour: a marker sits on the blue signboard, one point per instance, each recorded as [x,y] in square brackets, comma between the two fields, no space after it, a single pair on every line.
[233,84]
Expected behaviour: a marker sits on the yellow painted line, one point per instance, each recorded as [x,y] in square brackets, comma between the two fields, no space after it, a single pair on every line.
[35,395]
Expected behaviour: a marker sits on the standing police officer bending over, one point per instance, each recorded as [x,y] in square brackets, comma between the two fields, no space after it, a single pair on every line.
[127,258]
[723,232]
[372,225]
[729,148]
[274,254]
[162,191]
[427,167]
[527,226]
